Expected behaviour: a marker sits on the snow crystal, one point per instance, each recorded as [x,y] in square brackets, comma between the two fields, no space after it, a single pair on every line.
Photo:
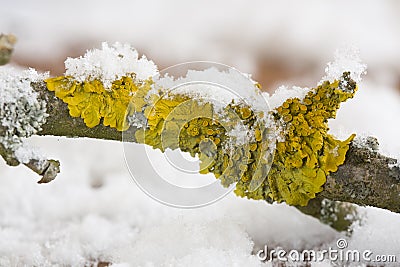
[395,165]
[137,120]
[240,135]
[16,84]
[283,93]
[110,63]
[335,151]
[219,87]
[25,153]
[368,142]
[345,59]
[21,112]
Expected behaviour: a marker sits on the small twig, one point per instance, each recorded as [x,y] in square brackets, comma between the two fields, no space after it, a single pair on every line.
[7,42]
[338,215]
[47,168]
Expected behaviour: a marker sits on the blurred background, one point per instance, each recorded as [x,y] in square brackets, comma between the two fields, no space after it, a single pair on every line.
[276,41]
[93,213]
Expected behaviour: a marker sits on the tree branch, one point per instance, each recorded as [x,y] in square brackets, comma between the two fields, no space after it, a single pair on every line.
[365,178]
[60,123]
[47,168]
[338,215]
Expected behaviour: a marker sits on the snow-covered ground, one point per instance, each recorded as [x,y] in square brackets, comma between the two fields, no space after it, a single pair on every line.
[94,211]
[70,222]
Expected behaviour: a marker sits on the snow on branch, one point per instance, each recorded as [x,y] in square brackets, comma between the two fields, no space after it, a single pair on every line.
[110,63]
[345,59]
[108,91]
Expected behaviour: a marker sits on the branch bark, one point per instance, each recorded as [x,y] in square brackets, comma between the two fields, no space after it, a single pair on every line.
[46,168]
[365,178]
[60,123]
[338,215]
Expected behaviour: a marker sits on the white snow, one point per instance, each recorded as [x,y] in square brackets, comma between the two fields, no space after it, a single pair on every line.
[218,86]
[283,93]
[364,141]
[69,222]
[395,165]
[110,63]
[25,153]
[346,59]
[374,111]
[240,134]
[15,84]
[137,120]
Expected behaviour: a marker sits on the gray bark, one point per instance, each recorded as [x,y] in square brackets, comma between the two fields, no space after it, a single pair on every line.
[366,178]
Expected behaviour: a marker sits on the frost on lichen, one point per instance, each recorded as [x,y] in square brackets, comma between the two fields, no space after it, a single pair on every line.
[101,85]
[227,131]
[110,63]
[21,112]
[346,59]
[176,121]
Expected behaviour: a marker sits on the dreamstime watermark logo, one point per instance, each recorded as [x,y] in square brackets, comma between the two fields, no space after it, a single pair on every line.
[340,253]
[172,177]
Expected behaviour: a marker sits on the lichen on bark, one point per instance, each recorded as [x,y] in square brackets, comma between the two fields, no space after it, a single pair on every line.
[301,162]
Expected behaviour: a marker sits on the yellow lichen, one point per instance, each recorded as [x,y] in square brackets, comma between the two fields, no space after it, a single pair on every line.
[300,164]
[308,153]
[93,103]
